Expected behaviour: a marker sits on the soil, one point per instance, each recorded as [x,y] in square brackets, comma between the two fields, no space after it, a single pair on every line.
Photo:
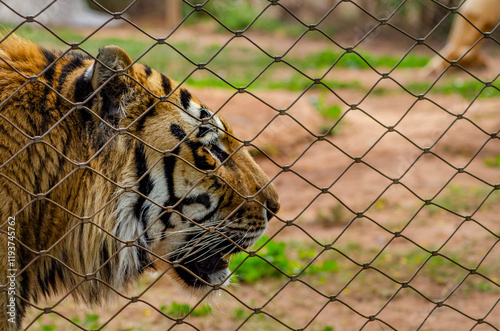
[369,180]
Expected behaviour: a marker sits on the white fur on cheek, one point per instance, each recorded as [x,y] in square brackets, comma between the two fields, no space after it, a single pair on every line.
[159,194]
[127,228]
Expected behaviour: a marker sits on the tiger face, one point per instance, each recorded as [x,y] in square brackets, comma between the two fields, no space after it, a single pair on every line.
[197,192]
[111,168]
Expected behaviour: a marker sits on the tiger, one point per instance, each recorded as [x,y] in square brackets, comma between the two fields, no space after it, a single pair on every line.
[108,169]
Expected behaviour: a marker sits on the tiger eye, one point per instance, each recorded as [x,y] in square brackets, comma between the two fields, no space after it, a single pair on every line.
[204,113]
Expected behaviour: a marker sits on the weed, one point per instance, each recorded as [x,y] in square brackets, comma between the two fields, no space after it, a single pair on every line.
[240,314]
[460,199]
[91,321]
[442,270]
[276,259]
[468,89]
[330,112]
[178,310]
[257,267]
[240,15]
[492,162]
[242,62]
[362,60]
[48,327]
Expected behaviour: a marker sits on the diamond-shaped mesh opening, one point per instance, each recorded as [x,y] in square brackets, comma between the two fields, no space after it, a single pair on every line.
[376,123]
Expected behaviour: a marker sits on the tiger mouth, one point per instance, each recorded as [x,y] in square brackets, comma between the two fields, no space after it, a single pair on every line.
[209,266]
[204,268]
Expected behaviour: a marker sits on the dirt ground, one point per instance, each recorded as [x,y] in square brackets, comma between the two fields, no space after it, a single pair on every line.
[355,189]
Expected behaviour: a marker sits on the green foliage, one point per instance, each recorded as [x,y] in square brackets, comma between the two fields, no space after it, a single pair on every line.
[239,15]
[91,321]
[492,162]
[236,15]
[179,310]
[240,314]
[275,260]
[257,267]
[468,89]
[462,199]
[359,60]
[331,113]
[47,327]
[442,270]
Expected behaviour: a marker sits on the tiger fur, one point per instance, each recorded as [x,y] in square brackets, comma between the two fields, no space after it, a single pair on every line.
[109,168]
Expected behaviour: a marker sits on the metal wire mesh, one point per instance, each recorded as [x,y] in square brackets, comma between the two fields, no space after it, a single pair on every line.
[413,231]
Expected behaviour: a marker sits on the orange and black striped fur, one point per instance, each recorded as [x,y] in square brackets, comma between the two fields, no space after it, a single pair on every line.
[110,168]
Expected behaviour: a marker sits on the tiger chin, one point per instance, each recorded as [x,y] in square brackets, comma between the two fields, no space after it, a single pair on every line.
[108,169]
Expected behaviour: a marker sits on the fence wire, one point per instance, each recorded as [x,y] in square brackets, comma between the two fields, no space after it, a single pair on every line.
[381,252]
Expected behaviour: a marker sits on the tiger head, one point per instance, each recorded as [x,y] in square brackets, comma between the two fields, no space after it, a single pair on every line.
[190,193]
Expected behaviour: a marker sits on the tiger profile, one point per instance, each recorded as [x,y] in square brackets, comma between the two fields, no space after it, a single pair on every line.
[109,168]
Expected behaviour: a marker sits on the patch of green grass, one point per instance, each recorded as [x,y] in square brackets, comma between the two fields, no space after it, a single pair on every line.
[468,89]
[461,199]
[258,267]
[48,327]
[91,321]
[331,114]
[276,260]
[240,15]
[238,64]
[442,270]
[178,310]
[493,161]
[358,60]
[293,257]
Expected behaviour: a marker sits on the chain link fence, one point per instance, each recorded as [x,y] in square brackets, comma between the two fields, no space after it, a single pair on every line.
[384,148]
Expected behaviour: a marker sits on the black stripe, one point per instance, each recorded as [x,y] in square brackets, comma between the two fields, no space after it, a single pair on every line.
[104,256]
[203,130]
[145,184]
[202,199]
[145,188]
[147,70]
[199,161]
[168,168]
[185,98]
[83,88]
[110,110]
[50,58]
[177,131]
[220,154]
[105,272]
[204,113]
[148,113]
[44,124]
[166,85]
[76,62]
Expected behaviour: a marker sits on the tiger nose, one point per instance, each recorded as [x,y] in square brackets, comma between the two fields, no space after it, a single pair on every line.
[272,208]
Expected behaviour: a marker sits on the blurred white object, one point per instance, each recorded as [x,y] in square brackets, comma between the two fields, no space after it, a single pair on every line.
[75,13]
[484,16]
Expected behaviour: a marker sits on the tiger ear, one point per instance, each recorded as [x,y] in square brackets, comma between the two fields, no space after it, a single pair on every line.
[110,60]
[115,86]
